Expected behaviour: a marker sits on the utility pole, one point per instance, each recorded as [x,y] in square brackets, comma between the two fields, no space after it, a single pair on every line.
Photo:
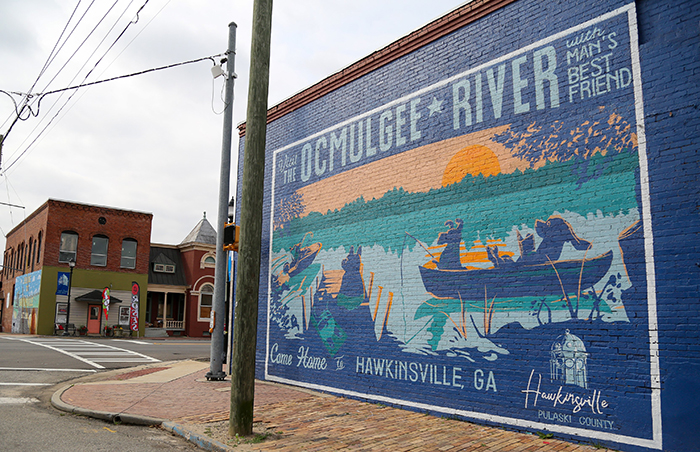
[248,277]
[217,335]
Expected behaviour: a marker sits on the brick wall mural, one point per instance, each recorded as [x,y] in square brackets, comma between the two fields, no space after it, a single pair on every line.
[467,231]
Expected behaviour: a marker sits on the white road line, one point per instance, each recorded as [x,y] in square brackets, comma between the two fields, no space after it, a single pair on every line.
[25,384]
[132,342]
[78,348]
[127,360]
[66,353]
[38,369]
[17,400]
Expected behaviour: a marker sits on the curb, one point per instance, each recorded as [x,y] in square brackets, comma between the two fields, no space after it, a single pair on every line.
[123,418]
[199,440]
[115,418]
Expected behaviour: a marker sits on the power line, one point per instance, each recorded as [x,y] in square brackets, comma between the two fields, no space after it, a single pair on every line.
[84,40]
[49,59]
[52,56]
[28,96]
[39,97]
[160,68]
[42,95]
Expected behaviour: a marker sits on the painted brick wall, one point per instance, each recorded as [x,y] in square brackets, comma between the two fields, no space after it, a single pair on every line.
[500,225]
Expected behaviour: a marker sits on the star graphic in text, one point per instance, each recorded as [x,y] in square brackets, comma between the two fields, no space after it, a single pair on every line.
[435,106]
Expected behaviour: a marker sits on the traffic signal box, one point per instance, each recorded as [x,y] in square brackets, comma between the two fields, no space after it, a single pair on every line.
[231,232]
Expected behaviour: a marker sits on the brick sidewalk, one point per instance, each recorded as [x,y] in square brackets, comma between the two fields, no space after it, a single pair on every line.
[302,420]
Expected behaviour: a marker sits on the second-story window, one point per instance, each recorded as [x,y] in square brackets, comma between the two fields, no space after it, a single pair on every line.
[128,253]
[38,248]
[68,247]
[100,243]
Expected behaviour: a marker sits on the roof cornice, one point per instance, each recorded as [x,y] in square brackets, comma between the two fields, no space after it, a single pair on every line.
[433,31]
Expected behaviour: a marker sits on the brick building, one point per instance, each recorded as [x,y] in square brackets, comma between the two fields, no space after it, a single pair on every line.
[181,284]
[495,217]
[110,249]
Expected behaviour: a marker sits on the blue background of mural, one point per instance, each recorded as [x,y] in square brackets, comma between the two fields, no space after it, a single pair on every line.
[617,346]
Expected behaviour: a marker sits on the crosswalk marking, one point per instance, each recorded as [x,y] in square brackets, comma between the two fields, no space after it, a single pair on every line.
[91,353]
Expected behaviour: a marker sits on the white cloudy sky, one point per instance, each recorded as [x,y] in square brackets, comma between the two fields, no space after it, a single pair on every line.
[152,143]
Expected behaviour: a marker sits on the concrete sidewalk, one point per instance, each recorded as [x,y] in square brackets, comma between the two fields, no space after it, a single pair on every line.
[177,396]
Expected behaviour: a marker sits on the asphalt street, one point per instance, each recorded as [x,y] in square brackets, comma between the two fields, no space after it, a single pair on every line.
[32,368]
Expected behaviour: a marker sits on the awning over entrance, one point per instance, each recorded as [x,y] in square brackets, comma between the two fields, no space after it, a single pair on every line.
[96,296]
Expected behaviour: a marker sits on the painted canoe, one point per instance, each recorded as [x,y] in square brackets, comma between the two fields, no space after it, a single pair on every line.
[517,280]
[304,258]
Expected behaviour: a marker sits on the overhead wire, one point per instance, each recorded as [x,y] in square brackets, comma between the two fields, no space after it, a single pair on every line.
[80,46]
[53,55]
[29,95]
[75,88]
[40,97]
[129,43]
[120,53]
[50,58]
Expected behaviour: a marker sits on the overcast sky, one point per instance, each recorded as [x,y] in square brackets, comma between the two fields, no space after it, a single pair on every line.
[152,143]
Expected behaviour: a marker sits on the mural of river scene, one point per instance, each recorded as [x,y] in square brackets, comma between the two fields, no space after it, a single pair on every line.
[497,273]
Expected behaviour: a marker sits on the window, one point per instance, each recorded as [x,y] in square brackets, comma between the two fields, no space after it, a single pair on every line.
[208,261]
[100,243]
[206,294]
[32,252]
[124,314]
[38,248]
[69,247]
[128,253]
[163,268]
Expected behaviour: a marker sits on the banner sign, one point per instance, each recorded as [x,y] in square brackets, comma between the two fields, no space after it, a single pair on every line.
[134,312]
[105,302]
[62,283]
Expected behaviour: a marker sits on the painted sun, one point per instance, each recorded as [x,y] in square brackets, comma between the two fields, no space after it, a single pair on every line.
[472,160]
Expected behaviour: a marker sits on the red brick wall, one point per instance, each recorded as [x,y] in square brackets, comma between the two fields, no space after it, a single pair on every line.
[54,217]
[20,237]
[196,276]
[84,220]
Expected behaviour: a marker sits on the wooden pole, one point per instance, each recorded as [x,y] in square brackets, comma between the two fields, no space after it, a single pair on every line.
[248,277]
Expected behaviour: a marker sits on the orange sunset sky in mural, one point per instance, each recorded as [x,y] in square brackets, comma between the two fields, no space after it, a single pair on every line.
[472,160]
[432,166]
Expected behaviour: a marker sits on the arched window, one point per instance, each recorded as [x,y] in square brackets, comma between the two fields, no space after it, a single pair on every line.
[38,248]
[129,247]
[100,244]
[206,296]
[69,246]
[208,260]
[32,252]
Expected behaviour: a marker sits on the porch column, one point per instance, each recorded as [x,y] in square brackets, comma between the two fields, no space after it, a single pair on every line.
[165,310]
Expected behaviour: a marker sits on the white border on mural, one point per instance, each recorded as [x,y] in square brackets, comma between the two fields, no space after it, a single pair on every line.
[656,441]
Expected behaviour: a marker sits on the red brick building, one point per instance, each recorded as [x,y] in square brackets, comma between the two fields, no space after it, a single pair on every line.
[110,249]
[181,284]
